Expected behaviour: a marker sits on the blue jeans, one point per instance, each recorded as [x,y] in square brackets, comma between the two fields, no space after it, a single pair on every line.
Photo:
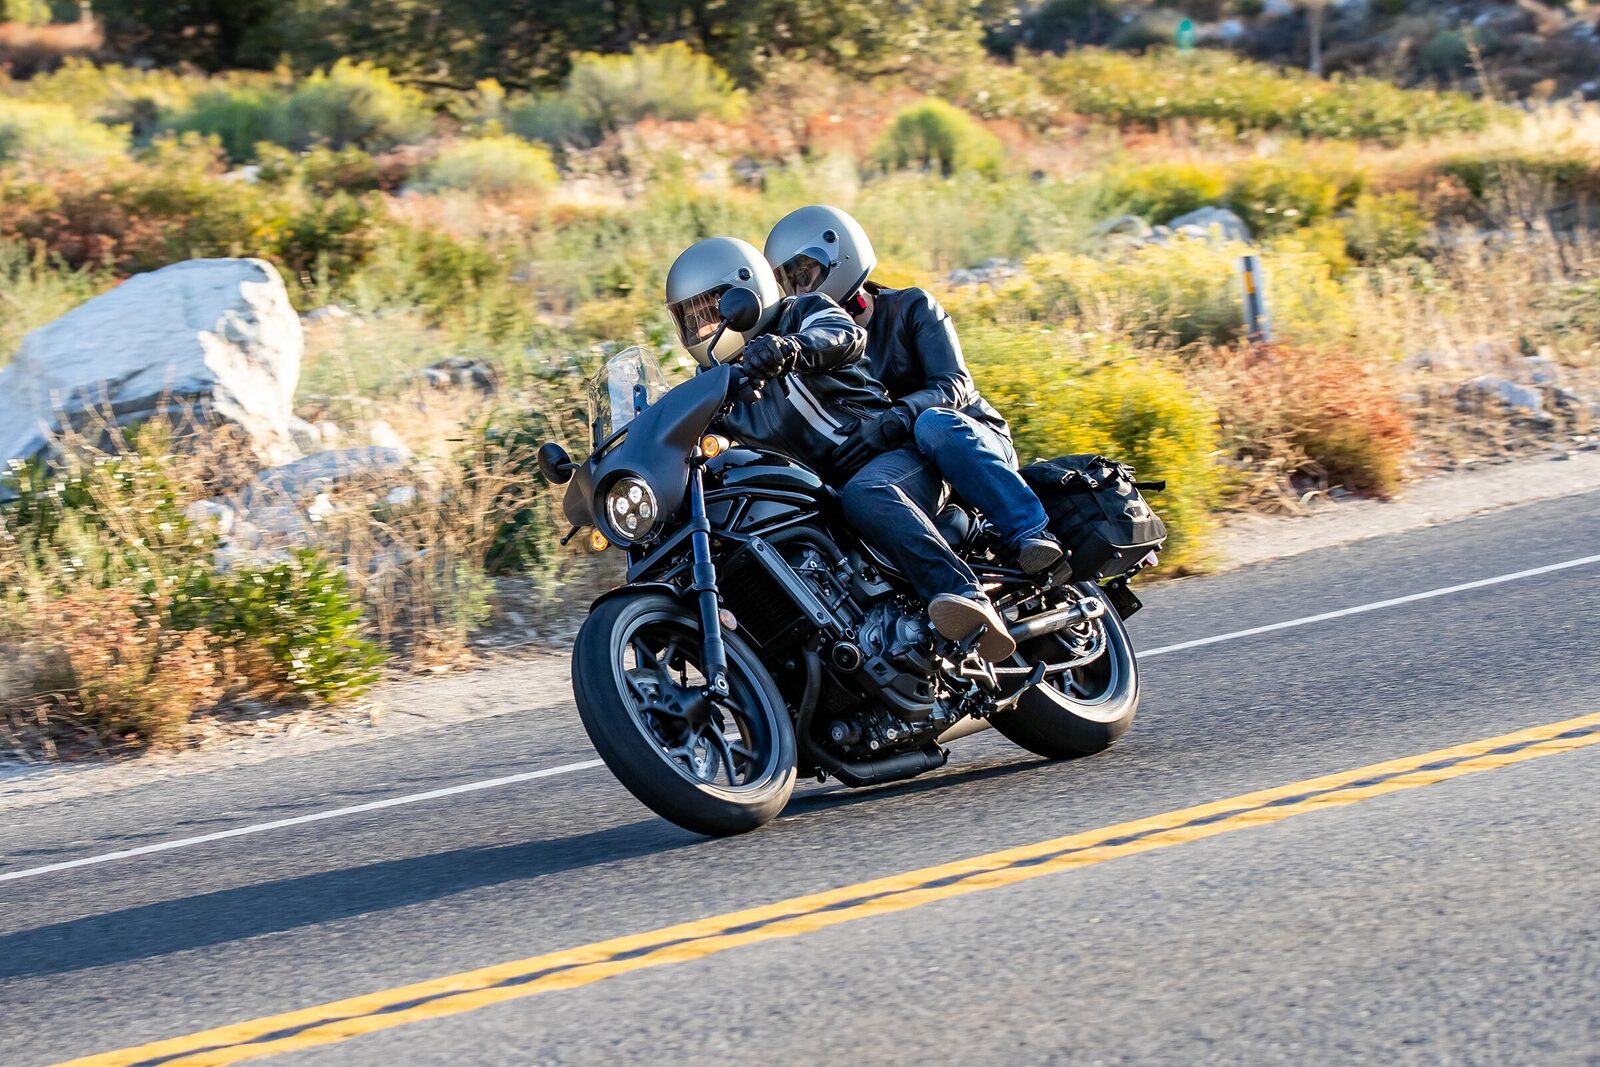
[891,503]
[981,466]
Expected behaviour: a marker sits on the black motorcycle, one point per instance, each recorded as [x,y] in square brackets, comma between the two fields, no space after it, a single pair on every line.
[758,639]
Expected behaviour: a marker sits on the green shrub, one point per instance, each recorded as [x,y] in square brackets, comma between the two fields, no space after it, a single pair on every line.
[1282,193]
[1219,87]
[34,290]
[492,166]
[1069,395]
[356,104]
[934,135]
[51,135]
[1555,173]
[669,81]
[554,118]
[1161,191]
[239,117]
[1385,226]
[346,104]
[298,612]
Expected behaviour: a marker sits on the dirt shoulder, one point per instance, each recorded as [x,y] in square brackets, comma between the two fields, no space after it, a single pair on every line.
[537,682]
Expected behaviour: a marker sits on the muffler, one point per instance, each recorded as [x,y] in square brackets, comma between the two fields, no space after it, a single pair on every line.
[1059,619]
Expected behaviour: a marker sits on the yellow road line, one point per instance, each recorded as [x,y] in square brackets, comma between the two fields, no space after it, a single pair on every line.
[569,968]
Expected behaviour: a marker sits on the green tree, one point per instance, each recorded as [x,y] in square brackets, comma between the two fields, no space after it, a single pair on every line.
[212,34]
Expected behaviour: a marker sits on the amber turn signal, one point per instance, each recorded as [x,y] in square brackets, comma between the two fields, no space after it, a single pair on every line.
[712,446]
[597,541]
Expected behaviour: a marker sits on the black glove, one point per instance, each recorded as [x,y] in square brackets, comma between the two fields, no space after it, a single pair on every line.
[870,439]
[770,355]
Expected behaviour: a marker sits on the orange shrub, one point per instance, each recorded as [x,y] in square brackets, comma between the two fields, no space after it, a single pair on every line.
[1325,413]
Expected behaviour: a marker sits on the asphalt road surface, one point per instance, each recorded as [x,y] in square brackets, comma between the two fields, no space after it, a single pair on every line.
[1437,909]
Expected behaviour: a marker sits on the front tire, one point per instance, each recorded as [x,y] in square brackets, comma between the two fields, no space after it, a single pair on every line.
[716,769]
[1083,711]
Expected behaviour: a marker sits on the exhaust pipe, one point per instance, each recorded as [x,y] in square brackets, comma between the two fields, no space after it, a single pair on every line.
[1059,619]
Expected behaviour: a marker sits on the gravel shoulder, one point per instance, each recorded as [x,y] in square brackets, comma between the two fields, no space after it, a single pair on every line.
[541,680]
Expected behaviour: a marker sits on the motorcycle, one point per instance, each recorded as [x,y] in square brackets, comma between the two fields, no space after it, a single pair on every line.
[757,639]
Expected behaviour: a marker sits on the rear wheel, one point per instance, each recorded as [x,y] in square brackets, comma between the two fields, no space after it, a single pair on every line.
[1084,709]
[716,767]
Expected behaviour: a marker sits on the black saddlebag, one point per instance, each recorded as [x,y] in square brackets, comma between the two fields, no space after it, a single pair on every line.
[1096,510]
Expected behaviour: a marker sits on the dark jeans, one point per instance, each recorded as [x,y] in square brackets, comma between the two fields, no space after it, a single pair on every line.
[981,466]
[891,502]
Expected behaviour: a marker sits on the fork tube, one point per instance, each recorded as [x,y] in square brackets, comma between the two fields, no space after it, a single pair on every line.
[705,585]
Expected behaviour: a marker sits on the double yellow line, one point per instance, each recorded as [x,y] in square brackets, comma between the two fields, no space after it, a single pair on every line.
[452,995]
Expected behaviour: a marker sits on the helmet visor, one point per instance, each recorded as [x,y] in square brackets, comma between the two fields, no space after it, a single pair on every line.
[697,317]
[804,273]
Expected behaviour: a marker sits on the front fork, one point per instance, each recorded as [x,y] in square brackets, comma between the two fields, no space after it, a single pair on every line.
[705,587]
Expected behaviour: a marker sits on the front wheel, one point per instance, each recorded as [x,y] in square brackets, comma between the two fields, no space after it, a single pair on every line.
[714,767]
[1082,710]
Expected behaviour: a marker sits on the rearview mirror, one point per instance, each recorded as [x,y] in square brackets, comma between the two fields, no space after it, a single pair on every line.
[740,308]
[555,464]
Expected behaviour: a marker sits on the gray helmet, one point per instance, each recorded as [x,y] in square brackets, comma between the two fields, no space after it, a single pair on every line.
[696,282]
[820,249]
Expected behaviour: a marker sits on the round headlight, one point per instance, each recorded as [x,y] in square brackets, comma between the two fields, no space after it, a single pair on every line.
[630,508]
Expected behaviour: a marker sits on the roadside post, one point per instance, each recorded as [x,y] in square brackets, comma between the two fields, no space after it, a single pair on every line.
[1257,323]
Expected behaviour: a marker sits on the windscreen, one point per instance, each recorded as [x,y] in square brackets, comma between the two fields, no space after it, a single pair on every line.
[629,382]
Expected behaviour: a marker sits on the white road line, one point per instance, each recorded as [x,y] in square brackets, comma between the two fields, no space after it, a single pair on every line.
[1376,605]
[572,768]
[301,820]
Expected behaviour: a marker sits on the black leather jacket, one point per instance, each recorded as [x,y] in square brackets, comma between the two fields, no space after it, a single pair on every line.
[808,412]
[913,350]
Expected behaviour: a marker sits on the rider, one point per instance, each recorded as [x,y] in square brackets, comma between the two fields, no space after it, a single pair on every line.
[938,429]
[804,414]
[810,414]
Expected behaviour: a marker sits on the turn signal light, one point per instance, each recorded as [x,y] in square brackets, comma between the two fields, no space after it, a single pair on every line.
[712,446]
[597,541]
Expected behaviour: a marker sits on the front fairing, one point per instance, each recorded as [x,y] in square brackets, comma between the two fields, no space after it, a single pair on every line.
[656,446]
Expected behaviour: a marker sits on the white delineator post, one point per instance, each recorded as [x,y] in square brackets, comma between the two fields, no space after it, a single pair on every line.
[1258,325]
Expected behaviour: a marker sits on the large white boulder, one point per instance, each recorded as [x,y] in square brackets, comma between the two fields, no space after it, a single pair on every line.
[216,334]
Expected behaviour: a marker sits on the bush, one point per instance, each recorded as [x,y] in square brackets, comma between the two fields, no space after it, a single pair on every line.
[35,290]
[554,118]
[934,135]
[1317,411]
[51,135]
[356,104]
[1219,87]
[669,81]
[239,117]
[1386,226]
[299,617]
[1066,395]
[492,166]
[347,104]
[1283,193]
[1161,191]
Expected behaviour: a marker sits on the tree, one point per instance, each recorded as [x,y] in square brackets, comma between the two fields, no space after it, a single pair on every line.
[211,34]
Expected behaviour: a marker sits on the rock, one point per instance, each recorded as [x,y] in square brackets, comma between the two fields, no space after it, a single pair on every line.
[993,272]
[211,513]
[459,370]
[401,495]
[1511,395]
[382,435]
[303,478]
[1122,226]
[328,433]
[306,436]
[214,335]
[1208,219]
[330,313]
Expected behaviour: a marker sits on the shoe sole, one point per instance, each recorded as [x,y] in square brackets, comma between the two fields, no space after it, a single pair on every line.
[1036,558]
[957,617]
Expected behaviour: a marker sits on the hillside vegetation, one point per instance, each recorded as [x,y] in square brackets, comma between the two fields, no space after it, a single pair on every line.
[1418,244]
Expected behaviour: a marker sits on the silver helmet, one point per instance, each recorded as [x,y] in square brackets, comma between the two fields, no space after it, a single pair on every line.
[820,249]
[696,282]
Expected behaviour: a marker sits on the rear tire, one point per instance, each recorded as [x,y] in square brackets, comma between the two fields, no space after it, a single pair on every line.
[1081,713]
[623,704]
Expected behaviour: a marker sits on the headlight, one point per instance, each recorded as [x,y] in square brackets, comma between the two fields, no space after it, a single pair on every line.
[630,508]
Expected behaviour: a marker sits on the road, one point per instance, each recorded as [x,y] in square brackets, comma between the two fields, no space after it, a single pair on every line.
[1445,910]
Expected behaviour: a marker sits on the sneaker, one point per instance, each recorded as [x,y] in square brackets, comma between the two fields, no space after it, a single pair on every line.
[1038,554]
[956,617]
